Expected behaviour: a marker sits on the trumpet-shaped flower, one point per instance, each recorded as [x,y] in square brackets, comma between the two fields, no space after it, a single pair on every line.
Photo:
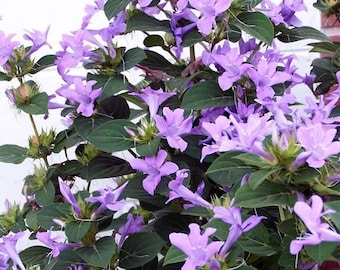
[108,199]
[56,242]
[155,167]
[311,216]
[133,225]
[8,251]
[196,246]
[153,98]
[38,39]
[178,190]
[6,47]
[83,94]
[232,216]
[173,127]
[69,197]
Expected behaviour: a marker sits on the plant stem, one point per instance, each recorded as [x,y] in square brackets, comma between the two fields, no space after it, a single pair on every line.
[282,214]
[36,133]
[192,54]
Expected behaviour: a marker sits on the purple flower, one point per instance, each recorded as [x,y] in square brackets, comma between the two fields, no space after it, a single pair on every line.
[108,199]
[69,197]
[173,127]
[132,225]
[196,246]
[178,190]
[8,250]
[38,39]
[6,47]
[232,216]
[153,98]
[56,243]
[318,144]
[83,94]
[155,167]
[209,9]
[318,232]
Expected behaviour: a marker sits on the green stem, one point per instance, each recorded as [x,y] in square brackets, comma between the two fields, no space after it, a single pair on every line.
[192,54]
[282,214]
[36,133]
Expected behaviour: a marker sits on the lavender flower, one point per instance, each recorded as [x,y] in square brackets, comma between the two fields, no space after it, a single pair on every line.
[108,199]
[133,225]
[38,39]
[83,94]
[178,190]
[196,246]
[317,141]
[155,167]
[153,98]
[232,216]
[8,250]
[6,47]
[173,127]
[69,197]
[311,216]
[56,243]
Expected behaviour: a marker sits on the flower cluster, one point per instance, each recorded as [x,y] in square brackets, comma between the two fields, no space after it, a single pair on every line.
[209,161]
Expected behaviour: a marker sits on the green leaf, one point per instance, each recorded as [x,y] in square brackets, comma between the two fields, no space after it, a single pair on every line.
[131,58]
[255,24]
[321,252]
[113,7]
[174,255]
[301,33]
[76,230]
[206,95]
[111,136]
[142,22]
[110,85]
[253,160]
[46,214]
[66,139]
[258,177]
[65,259]
[11,153]
[226,170]
[139,249]
[222,229]
[105,167]
[44,62]
[197,211]
[267,194]
[38,104]
[191,38]
[100,254]
[5,77]
[115,107]
[335,217]
[84,126]
[34,255]
[45,195]
[323,47]
[148,149]
[153,41]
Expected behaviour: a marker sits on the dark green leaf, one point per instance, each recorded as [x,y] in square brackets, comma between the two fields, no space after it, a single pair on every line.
[112,136]
[174,255]
[5,77]
[76,230]
[253,160]
[304,32]
[267,194]
[65,259]
[148,149]
[45,195]
[105,167]
[206,95]
[197,211]
[153,41]
[46,214]
[113,7]
[191,38]
[258,177]
[323,47]
[226,170]
[100,254]
[141,21]
[321,252]
[139,249]
[110,85]
[66,139]
[44,62]
[38,104]
[131,58]
[84,126]
[11,153]
[255,24]
[34,255]
[222,229]
[335,217]
[115,107]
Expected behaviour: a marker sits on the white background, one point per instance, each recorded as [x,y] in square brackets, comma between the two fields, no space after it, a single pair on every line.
[64,16]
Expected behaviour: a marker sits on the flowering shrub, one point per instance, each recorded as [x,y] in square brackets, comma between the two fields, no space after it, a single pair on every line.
[213,163]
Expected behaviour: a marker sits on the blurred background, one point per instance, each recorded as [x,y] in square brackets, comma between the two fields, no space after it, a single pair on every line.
[63,16]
